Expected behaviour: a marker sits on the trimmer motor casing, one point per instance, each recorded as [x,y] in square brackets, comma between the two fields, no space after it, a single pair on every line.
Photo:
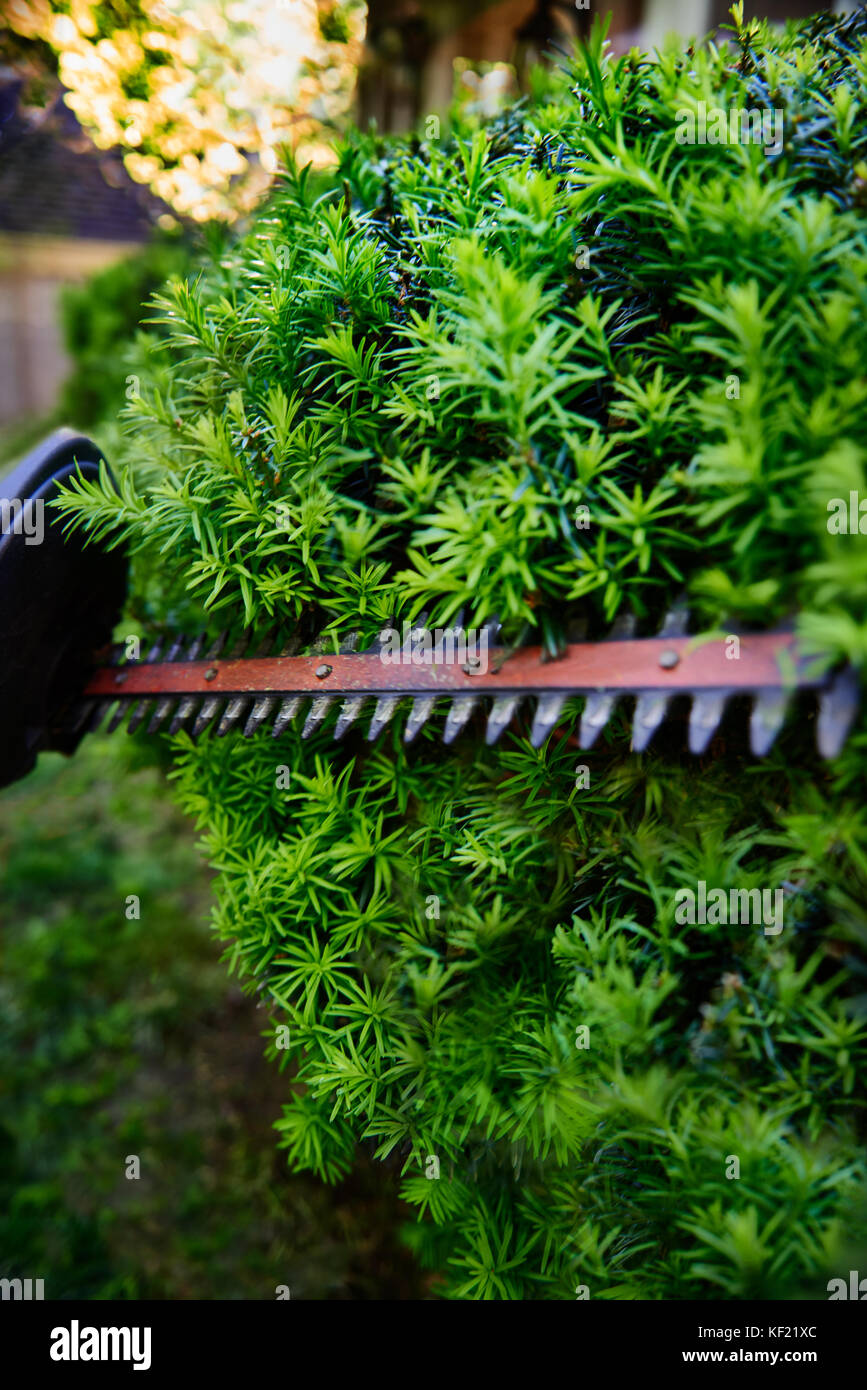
[55,615]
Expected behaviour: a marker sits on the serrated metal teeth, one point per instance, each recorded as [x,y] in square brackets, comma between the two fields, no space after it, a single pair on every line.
[386,705]
[708,708]
[382,715]
[210,706]
[460,710]
[422,709]
[379,638]
[838,705]
[289,707]
[97,714]
[321,704]
[599,705]
[141,707]
[189,704]
[548,711]
[623,628]
[462,706]
[231,715]
[88,714]
[264,705]
[95,711]
[123,707]
[319,707]
[502,713]
[651,706]
[80,715]
[767,719]
[165,703]
[676,621]
[597,711]
[349,712]
[838,700]
[139,710]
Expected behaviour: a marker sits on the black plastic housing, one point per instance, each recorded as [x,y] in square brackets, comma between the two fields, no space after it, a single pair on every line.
[59,603]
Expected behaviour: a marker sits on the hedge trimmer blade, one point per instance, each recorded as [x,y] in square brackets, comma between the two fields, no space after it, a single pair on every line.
[196,689]
[60,599]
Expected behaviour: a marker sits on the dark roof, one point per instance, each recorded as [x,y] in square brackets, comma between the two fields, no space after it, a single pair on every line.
[55,181]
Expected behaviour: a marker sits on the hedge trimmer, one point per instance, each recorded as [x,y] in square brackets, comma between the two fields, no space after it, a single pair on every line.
[60,600]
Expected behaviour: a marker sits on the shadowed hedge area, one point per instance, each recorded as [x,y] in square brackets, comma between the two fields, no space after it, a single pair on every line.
[391,398]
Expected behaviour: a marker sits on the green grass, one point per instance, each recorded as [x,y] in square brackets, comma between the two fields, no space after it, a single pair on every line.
[122,1037]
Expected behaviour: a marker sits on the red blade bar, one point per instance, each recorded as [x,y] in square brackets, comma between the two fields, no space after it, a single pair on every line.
[656,663]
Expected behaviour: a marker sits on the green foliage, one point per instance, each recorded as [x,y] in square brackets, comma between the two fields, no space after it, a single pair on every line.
[99,318]
[123,1036]
[393,396]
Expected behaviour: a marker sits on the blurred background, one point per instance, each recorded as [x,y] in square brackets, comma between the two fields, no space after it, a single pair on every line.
[129,133]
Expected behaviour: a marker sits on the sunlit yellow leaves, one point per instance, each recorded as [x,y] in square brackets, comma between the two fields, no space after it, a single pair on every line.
[203,94]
